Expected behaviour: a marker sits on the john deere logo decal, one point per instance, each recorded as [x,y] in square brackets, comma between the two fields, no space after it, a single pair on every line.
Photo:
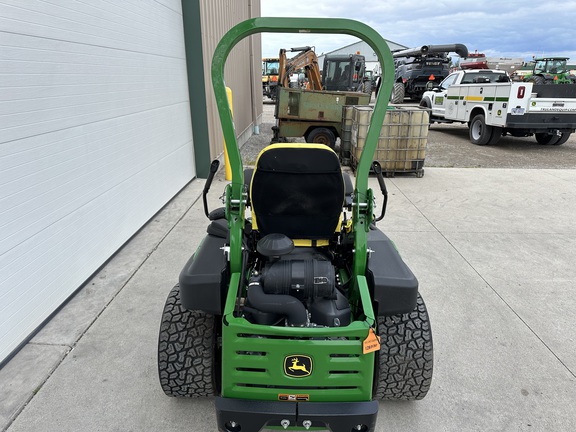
[298,366]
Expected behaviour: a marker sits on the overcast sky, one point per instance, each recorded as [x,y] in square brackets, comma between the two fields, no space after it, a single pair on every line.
[503,28]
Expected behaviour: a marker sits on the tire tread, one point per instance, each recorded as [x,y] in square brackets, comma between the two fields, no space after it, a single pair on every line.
[185,350]
[406,355]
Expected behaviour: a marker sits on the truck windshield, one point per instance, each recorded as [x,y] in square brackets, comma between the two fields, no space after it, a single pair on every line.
[448,81]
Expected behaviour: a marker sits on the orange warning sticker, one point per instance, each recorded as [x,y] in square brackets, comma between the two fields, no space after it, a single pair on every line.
[371,343]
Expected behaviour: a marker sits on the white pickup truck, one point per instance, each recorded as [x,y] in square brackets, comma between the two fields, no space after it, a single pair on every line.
[493,106]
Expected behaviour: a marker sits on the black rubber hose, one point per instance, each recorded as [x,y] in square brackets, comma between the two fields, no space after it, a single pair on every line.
[282,304]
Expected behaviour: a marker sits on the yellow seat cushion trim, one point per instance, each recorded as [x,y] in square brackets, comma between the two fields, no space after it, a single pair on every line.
[310,243]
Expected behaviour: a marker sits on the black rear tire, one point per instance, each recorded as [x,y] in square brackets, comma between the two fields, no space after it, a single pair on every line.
[398,93]
[405,360]
[367,87]
[480,132]
[563,138]
[538,80]
[186,350]
[547,139]
[496,135]
[322,135]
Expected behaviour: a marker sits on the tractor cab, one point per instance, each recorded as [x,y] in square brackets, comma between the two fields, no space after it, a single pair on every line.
[551,65]
[343,72]
[550,70]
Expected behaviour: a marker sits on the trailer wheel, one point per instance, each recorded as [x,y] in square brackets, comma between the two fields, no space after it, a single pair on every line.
[548,139]
[405,359]
[322,135]
[563,138]
[398,93]
[186,350]
[480,132]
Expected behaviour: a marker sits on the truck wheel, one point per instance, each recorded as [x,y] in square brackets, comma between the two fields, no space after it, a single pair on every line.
[405,360]
[496,135]
[425,103]
[547,139]
[480,132]
[322,135]
[186,350]
[398,93]
[563,138]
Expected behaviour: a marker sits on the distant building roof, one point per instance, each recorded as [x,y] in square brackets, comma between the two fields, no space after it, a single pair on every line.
[362,48]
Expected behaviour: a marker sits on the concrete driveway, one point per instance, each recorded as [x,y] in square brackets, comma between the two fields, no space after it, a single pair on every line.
[493,249]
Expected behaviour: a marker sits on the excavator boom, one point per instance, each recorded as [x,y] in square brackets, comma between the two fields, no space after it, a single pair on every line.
[305,59]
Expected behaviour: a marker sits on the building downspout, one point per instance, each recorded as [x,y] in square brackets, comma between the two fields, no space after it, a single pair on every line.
[256,128]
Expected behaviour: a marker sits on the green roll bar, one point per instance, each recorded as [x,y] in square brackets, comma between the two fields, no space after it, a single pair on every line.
[363,213]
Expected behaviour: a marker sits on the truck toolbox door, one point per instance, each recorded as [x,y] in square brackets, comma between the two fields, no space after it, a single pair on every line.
[439,103]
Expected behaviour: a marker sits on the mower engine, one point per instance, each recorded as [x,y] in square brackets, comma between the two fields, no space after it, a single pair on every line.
[294,287]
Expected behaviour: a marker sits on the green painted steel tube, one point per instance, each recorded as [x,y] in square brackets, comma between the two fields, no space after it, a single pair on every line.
[361,218]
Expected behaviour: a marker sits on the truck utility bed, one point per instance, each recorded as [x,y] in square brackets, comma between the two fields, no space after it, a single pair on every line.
[494,106]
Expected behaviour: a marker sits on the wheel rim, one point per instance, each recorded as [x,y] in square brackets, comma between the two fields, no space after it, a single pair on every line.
[476,130]
[322,139]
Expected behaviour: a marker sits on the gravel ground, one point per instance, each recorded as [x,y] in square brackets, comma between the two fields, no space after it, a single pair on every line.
[449,146]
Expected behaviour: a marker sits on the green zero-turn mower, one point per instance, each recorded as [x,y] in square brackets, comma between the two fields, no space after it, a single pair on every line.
[301,316]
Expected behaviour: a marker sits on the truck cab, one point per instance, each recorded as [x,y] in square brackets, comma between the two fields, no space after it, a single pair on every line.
[449,101]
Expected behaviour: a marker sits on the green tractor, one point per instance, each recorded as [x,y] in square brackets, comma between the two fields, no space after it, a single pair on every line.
[550,70]
[301,315]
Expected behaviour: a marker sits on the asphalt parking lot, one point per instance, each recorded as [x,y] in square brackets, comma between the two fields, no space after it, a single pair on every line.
[493,248]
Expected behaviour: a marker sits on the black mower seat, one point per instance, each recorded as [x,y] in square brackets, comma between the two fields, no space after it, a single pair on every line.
[297,190]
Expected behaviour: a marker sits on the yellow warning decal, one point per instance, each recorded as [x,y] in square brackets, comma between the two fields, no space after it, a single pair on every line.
[474,98]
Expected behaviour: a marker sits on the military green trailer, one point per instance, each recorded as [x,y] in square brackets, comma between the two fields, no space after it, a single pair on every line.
[314,115]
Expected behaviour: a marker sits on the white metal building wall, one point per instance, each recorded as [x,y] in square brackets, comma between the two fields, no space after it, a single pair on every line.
[95,138]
